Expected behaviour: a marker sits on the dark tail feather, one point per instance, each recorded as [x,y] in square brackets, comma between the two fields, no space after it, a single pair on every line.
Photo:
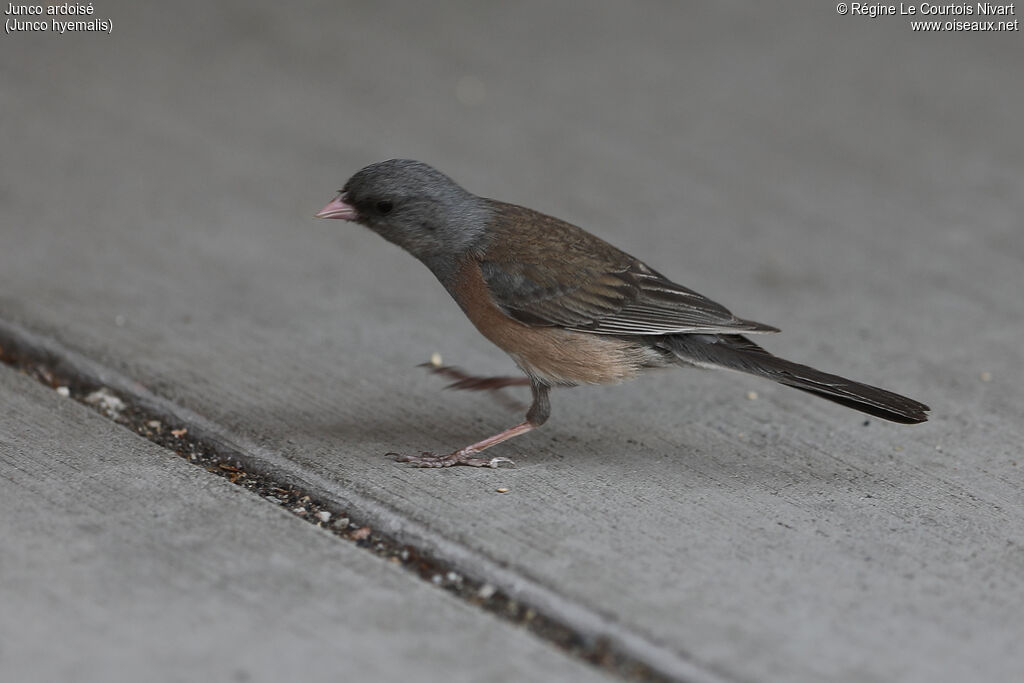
[736,352]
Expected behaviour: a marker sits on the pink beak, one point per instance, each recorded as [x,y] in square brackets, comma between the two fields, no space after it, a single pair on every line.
[337,208]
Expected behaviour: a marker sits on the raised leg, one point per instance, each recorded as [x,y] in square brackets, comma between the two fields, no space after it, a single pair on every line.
[466,382]
[538,414]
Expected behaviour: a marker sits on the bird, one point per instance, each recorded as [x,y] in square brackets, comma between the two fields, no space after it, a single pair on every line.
[568,307]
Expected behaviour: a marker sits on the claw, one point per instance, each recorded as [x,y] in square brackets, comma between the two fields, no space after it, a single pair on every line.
[427,459]
[492,385]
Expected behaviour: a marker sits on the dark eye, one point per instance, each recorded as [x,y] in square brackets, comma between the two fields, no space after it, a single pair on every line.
[385,206]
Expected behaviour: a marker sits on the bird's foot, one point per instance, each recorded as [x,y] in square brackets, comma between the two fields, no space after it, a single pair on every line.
[476,383]
[461,457]
[493,385]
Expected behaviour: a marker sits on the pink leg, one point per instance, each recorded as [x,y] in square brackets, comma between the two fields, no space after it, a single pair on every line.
[466,382]
[537,415]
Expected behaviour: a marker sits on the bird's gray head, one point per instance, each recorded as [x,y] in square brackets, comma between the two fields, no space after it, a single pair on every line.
[415,206]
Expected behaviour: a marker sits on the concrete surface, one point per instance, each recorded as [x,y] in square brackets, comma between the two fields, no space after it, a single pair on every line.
[122,562]
[851,181]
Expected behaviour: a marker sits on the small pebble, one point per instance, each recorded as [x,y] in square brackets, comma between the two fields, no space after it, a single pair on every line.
[435,359]
[360,533]
[64,391]
[178,433]
[299,511]
[154,424]
[324,516]
[501,490]
[436,579]
[105,401]
[341,523]
[486,591]
[452,577]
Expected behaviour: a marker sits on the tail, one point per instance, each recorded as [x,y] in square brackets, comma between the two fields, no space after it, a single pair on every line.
[735,352]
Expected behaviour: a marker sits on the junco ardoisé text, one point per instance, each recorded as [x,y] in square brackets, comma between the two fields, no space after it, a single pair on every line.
[567,306]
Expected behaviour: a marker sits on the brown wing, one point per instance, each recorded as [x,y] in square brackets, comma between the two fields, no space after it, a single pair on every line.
[589,285]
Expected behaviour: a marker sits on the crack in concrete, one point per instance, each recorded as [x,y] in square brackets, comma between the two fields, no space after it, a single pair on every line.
[577,630]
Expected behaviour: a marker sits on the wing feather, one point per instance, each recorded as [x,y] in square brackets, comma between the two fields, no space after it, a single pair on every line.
[591,286]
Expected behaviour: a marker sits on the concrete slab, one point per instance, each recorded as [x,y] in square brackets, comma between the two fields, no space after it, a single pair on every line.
[847,179]
[121,562]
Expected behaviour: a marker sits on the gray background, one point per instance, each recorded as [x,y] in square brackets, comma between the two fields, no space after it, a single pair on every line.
[849,180]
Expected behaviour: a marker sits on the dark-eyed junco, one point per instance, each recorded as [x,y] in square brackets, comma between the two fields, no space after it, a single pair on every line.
[568,307]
